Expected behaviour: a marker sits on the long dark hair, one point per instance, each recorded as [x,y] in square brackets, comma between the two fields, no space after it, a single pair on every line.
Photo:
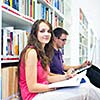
[44,55]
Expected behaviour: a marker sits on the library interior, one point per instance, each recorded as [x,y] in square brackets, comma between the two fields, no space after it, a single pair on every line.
[79,17]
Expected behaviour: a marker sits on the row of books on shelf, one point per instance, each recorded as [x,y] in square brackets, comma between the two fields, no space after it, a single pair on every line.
[12,41]
[83,19]
[58,22]
[59,4]
[30,7]
[43,13]
[83,30]
[9,82]
[83,40]
[46,13]
[26,7]
[83,51]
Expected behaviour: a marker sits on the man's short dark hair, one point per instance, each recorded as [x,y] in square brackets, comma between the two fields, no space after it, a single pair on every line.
[59,31]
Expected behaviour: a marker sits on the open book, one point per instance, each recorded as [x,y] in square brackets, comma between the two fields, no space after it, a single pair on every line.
[72,82]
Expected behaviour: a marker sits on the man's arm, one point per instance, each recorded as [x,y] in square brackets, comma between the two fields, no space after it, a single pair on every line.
[74,67]
[86,63]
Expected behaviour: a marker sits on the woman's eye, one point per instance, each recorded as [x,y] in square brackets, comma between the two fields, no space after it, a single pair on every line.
[42,31]
[49,31]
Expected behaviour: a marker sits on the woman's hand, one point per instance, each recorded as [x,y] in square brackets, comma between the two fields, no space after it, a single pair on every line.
[70,73]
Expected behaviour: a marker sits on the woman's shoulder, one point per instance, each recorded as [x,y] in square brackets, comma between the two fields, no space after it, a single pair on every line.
[31,52]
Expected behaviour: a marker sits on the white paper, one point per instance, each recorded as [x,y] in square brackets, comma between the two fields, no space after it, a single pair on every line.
[72,82]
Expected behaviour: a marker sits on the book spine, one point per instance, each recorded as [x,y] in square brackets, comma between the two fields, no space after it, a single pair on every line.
[33,9]
[1,87]
[20,6]
[23,7]
[7,2]
[15,4]
[35,6]
[47,14]
[43,11]
[9,81]
[11,3]
[2,41]
[15,44]
[25,38]
[3,1]
[28,7]
[39,13]
[5,48]
[11,42]
[15,80]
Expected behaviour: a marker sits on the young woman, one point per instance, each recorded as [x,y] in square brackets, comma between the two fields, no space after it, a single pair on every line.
[34,73]
[34,62]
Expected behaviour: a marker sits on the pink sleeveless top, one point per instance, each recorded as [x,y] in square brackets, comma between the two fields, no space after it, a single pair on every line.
[41,78]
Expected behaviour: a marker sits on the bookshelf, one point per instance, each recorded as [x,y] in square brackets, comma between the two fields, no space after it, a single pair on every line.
[16,19]
[87,40]
[67,26]
[52,10]
[78,44]
[83,37]
[92,46]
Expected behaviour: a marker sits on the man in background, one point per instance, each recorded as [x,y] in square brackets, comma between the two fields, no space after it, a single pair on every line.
[57,65]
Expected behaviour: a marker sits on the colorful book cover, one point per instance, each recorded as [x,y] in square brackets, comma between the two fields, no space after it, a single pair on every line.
[15,4]
[15,43]
[39,13]
[47,14]
[11,3]
[3,1]
[33,9]
[28,7]
[7,2]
